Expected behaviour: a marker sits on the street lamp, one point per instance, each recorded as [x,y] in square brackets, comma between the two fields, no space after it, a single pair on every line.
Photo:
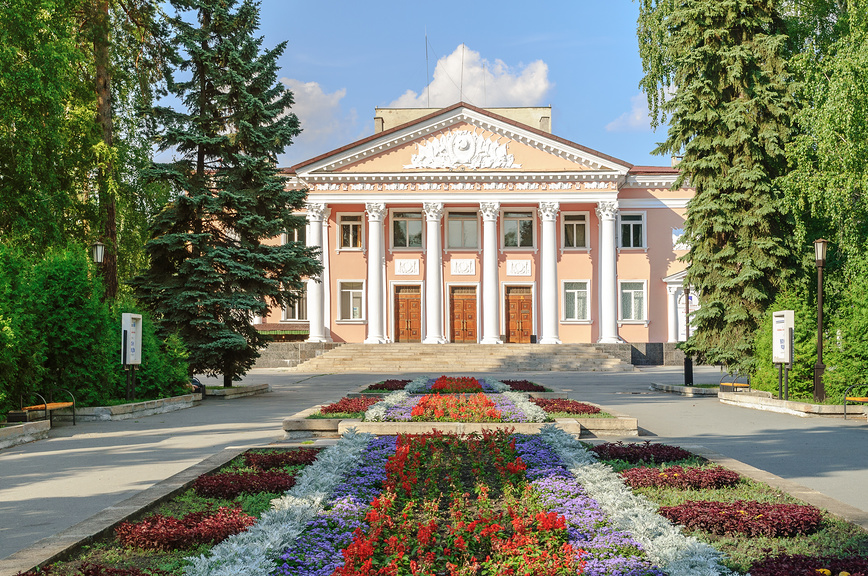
[688,361]
[819,367]
[97,249]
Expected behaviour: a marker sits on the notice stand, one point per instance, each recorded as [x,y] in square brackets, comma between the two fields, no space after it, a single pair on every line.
[782,348]
[131,349]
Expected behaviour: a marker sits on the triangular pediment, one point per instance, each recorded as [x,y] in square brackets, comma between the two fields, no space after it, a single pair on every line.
[463,139]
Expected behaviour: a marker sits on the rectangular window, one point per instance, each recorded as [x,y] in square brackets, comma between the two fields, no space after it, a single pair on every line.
[298,309]
[633,301]
[351,231]
[632,234]
[575,231]
[518,230]
[462,230]
[407,230]
[297,235]
[576,301]
[352,300]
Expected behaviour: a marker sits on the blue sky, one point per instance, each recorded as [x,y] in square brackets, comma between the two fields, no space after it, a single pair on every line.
[344,58]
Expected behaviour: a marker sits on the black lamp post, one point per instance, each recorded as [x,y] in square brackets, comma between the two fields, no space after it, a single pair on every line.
[819,367]
[688,361]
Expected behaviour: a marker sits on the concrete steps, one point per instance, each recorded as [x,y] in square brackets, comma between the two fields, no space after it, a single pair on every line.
[403,357]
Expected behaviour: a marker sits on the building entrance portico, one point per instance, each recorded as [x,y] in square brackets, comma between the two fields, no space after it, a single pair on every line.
[462,313]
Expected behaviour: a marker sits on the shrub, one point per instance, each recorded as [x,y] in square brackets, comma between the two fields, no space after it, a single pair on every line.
[523,386]
[160,532]
[799,565]
[564,405]
[271,460]
[229,485]
[349,405]
[677,477]
[637,453]
[744,517]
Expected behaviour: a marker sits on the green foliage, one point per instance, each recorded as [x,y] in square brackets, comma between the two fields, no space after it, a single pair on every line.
[729,117]
[211,268]
[846,344]
[801,377]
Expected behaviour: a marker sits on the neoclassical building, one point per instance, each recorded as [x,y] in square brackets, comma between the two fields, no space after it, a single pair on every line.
[479,225]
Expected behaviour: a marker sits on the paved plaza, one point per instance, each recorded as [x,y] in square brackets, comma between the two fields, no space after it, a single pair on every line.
[49,485]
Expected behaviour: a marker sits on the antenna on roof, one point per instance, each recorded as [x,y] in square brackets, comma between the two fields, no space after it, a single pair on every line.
[427,86]
[461,87]
[484,93]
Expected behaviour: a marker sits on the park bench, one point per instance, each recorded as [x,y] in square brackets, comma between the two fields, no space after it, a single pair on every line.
[49,407]
[854,399]
[734,385]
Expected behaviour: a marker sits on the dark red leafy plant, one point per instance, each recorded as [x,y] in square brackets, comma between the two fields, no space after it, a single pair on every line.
[524,386]
[229,485]
[565,405]
[636,453]
[165,533]
[744,517]
[677,477]
[350,405]
[270,460]
[800,565]
[390,385]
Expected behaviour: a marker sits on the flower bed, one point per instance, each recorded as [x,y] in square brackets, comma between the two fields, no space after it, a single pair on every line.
[638,453]
[346,408]
[231,484]
[454,385]
[748,518]
[455,408]
[524,386]
[400,407]
[693,477]
[386,386]
[160,532]
[562,405]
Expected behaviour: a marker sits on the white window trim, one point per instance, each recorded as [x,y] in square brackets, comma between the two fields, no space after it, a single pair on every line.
[363,232]
[621,320]
[644,247]
[564,319]
[563,222]
[533,219]
[390,222]
[364,318]
[445,231]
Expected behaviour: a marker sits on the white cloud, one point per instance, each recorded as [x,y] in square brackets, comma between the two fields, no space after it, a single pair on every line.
[636,120]
[324,124]
[482,83]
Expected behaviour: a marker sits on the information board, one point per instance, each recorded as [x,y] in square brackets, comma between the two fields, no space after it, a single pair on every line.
[782,346]
[131,336]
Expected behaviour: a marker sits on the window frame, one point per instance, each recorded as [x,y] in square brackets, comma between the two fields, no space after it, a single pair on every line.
[299,306]
[340,311]
[339,231]
[291,234]
[393,219]
[587,216]
[644,291]
[564,318]
[476,219]
[503,219]
[643,222]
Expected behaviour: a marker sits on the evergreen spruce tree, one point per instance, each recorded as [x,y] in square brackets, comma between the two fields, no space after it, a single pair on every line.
[729,117]
[211,269]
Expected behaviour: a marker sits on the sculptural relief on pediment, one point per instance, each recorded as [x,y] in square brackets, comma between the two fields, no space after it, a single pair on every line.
[462,148]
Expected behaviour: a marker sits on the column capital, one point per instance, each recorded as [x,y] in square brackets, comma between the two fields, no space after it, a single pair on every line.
[549,210]
[376,211]
[433,210]
[672,289]
[316,211]
[489,210]
[607,210]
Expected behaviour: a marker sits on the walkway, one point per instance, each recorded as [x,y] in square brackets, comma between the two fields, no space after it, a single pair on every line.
[49,485]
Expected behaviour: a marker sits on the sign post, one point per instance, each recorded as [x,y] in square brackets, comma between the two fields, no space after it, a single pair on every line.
[782,346]
[131,349]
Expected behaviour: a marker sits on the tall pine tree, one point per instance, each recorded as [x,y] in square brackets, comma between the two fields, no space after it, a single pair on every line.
[211,270]
[729,117]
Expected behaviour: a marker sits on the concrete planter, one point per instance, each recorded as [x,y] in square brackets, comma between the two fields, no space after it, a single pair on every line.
[127,411]
[23,433]
[685,390]
[237,391]
[803,409]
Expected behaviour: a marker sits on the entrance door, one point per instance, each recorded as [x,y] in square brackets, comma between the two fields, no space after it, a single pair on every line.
[463,313]
[519,306]
[408,314]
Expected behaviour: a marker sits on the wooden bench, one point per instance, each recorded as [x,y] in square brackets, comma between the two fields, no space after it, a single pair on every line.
[734,386]
[854,399]
[49,407]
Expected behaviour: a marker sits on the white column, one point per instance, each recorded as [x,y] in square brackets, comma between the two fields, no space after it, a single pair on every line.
[549,276]
[376,264]
[673,312]
[490,280]
[433,274]
[315,287]
[606,213]
[326,277]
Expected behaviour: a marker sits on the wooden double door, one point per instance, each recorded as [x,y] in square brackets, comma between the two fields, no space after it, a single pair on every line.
[462,312]
[519,314]
[408,314]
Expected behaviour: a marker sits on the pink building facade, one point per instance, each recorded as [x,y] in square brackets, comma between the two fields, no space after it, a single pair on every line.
[480,226]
